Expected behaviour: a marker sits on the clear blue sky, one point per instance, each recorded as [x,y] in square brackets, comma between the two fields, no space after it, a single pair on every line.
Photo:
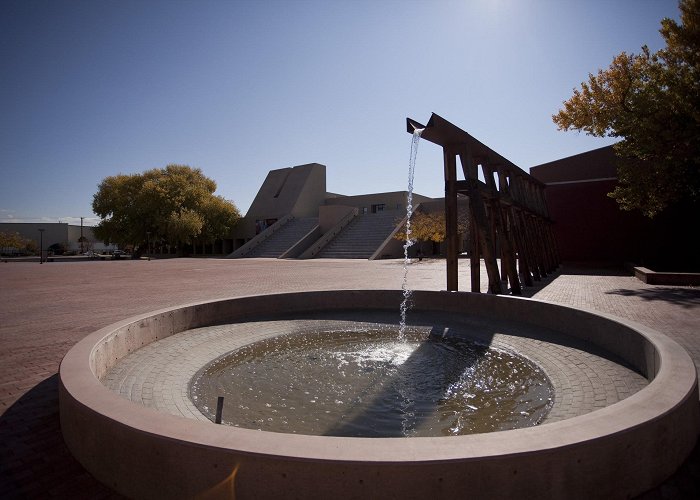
[90,89]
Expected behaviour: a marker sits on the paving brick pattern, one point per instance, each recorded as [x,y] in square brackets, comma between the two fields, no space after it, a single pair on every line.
[158,375]
[46,308]
[672,310]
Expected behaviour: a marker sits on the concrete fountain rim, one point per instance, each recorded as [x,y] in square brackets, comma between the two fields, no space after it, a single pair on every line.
[671,384]
[621,450]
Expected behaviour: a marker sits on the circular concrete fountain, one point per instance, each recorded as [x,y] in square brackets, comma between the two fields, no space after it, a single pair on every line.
[619,451]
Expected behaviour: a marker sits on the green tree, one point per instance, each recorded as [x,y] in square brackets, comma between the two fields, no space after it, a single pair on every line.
[652,102]
[176,205]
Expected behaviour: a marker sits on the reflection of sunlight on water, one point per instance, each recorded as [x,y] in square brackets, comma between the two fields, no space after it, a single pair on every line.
[369,383]
[394,354]
[464,385]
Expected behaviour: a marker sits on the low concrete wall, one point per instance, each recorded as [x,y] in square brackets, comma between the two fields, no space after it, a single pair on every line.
[663,278]
[616,452]
[258,239]
[305,242]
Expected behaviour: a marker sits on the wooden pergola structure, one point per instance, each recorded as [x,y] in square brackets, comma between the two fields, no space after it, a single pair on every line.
[508,211]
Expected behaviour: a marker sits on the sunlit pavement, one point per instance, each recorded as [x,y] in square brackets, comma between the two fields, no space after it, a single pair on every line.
[46,309]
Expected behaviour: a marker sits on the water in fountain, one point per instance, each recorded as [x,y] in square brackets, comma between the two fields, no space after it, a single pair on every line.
[367,383]
[405,304]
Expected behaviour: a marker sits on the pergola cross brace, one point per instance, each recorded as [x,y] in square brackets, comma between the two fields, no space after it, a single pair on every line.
[508,210]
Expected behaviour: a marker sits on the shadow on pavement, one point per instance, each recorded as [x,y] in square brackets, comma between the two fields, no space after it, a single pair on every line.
[35,460]
[685,297]
[582,270]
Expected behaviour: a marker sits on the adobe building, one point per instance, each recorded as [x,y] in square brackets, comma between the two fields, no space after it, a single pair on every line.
[591,229]
[293,216]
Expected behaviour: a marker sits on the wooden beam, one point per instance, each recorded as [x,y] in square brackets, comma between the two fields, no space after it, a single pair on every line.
[474,255]
[478,210]
[451,229]
[523,254]
[507,208]
[530,241]
[507,250]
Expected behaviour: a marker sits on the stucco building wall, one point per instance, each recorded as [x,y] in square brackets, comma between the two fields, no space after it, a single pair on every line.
[56,232]
[590,227]
[301,192]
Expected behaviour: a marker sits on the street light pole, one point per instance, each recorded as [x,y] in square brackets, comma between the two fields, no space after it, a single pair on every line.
[148,244]
[41,246]
[81,236]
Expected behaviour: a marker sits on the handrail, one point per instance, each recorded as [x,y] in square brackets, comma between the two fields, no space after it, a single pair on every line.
[302,244]
[329,235]
[378,252]
[258,239]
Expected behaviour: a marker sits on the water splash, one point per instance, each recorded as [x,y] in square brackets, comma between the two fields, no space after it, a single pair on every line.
[367,383]
[406,303]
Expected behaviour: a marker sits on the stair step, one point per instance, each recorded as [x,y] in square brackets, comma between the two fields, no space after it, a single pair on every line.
[286,237]
[361,238]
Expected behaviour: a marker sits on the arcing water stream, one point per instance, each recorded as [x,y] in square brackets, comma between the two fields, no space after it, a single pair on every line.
[405,304]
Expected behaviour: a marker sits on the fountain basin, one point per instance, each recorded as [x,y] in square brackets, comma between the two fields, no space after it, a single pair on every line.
[359,380]
[618,451]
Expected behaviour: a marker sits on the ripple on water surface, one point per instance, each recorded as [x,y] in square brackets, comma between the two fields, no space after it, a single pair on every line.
[370,384]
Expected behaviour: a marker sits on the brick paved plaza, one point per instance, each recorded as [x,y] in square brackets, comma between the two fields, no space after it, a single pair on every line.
[46,309]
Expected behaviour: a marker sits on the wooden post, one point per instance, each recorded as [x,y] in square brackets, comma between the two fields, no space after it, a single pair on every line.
[474,255]
[451,218]
[507,252]
[527,252]
[504,271]
[508,245]
[530,241]
[524,258]
[476,205]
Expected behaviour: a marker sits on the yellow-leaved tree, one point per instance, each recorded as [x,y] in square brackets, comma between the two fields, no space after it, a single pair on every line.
[652,103]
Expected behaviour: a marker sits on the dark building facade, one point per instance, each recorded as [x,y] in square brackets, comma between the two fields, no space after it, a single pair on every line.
[590,227]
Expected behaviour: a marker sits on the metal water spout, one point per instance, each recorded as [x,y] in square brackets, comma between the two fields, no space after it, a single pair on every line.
[412,126]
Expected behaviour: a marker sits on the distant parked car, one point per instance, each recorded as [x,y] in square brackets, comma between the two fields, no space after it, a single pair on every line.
[118,253]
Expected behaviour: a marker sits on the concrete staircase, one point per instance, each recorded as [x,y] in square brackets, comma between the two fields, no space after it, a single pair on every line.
[361,238]
[285,238]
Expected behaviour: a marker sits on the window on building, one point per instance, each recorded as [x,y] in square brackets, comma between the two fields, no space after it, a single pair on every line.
[379,207]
